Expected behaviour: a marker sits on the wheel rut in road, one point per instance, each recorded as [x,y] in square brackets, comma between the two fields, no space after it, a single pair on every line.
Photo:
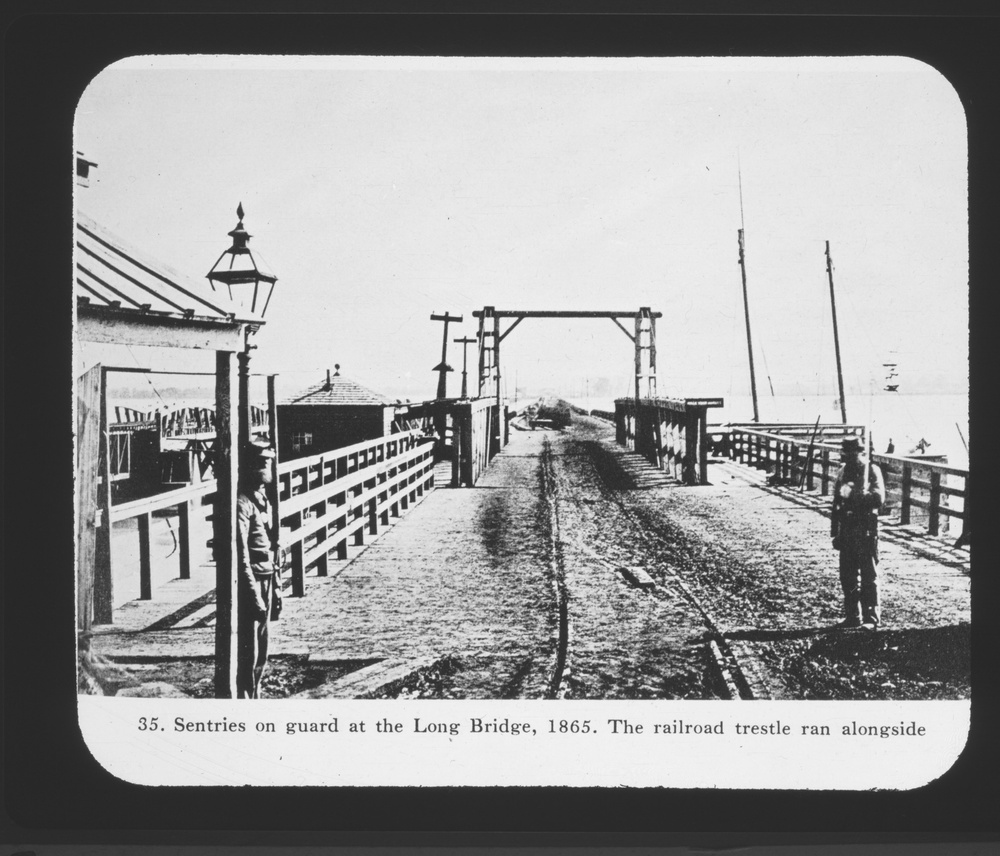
[624,642]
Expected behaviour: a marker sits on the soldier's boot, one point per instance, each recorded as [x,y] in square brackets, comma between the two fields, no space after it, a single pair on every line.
[852,611]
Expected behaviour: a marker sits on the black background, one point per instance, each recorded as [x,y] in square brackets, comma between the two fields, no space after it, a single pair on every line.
[53,790]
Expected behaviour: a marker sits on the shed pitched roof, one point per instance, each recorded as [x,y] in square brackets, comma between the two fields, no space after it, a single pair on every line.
[340,391]
[109,274]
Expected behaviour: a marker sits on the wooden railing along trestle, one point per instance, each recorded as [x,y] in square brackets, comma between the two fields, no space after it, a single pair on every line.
[922,490]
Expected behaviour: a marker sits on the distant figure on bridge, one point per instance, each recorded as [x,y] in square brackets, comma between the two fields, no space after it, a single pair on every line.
[854,527]
[258,583]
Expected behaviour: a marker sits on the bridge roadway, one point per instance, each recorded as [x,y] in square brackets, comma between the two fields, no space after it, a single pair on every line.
[666,589]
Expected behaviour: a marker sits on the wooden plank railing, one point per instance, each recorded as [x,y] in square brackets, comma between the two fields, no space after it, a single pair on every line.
[467,433]
[337,499]
[671,433]
[323,502]
[918,490]
[475,428]
[188,501]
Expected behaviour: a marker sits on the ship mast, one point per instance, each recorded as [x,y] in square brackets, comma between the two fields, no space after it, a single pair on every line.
[746,312]
[836,337]
[746,302]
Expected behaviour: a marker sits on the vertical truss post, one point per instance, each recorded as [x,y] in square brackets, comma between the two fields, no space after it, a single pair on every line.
[652,352]
[638,359]
[482,348]
[496,363]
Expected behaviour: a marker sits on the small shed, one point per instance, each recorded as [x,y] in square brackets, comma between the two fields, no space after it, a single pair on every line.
[331,414]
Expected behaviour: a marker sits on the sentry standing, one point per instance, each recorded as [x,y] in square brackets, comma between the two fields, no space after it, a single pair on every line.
[858,494]
[258,584]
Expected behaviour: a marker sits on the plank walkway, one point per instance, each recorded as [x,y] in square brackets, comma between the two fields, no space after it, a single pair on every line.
[465,572]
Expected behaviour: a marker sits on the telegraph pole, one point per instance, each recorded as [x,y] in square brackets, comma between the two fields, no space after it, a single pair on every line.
[465,363]
[443,368]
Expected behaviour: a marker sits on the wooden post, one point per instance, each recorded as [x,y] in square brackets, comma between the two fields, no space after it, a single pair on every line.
[245,416]
[274,494]
[184,513]
[322,564]
[652,354]
[468,452]
[638,361]
[481,338]
[933,519]
[88,453]
[103,576]
[298,570]
[824,487]
[703,445]
[498,416]
[456,450]
[905,488]
[145,563]
[465,341]
[443,368]
[227,464]
[691,436]
[658,456]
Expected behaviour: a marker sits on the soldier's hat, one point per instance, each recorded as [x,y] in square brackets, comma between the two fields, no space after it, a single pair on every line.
[851,444]
[259,453]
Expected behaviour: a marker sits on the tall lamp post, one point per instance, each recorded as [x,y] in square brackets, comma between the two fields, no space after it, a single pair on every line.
[236,275]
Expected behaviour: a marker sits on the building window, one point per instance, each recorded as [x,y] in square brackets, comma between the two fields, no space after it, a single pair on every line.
[301,440]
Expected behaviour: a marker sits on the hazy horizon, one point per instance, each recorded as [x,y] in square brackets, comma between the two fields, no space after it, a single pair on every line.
[380,190]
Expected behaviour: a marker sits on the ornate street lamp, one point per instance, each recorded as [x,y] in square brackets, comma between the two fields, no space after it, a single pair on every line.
[253,286]
[237,275]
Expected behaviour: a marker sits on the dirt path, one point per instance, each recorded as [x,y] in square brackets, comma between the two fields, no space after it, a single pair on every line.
[762,573]
[574,569]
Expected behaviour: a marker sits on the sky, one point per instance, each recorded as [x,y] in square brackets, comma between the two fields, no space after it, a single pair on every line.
[382,190]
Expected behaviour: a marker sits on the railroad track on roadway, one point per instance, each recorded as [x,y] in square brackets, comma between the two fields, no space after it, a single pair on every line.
[561,668]
[730,671]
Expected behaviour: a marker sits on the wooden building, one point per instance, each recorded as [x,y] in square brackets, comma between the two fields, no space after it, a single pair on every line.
[331,414]
[123,297]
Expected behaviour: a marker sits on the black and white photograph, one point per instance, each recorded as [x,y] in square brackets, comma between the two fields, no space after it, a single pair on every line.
[413,392]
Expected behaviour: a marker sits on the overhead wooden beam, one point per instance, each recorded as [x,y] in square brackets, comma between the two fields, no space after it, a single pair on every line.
[132,328]
[517,313]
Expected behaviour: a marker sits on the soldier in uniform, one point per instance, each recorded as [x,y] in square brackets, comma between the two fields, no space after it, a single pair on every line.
[258,583]
[854,527]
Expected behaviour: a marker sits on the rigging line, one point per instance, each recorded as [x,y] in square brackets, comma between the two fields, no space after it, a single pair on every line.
[767,370]
[156,392]
[732,336]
